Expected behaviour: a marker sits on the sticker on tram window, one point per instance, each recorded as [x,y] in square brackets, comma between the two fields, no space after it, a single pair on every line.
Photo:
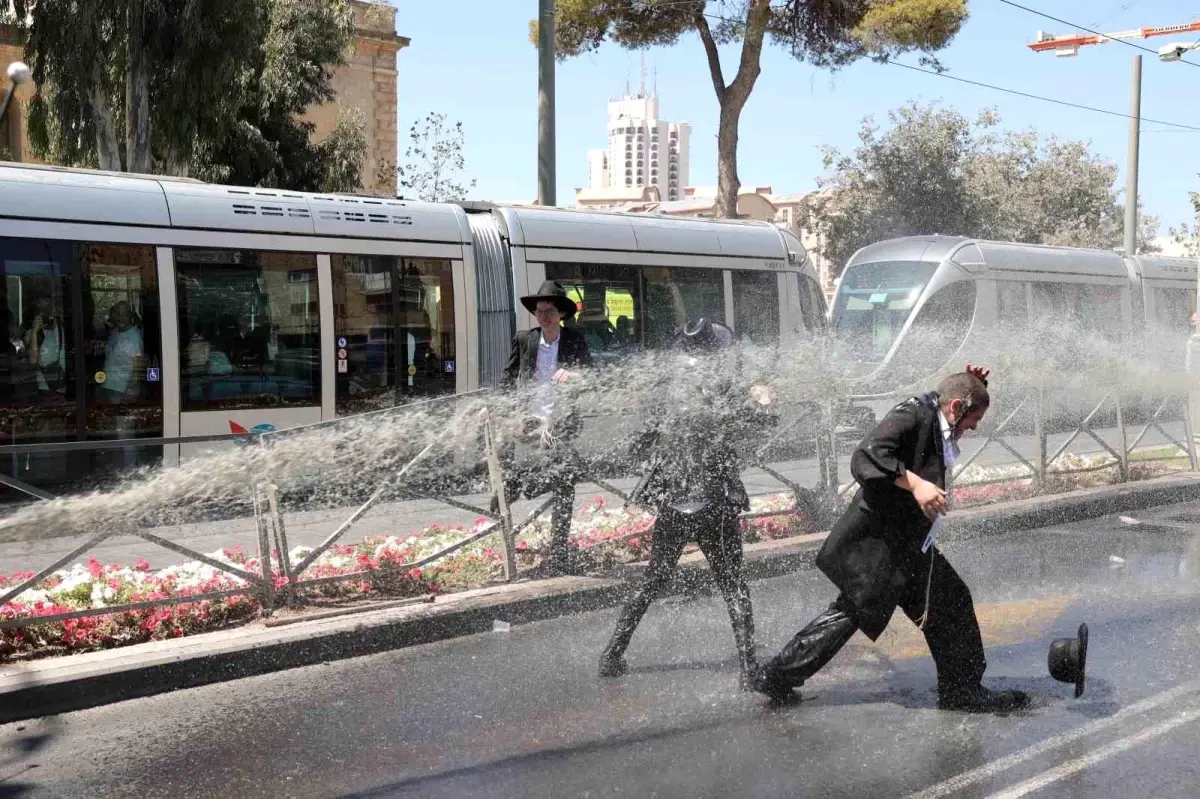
[449,367]
[341,342]
[343,367]
[101,377]
[153,374]
[412,370]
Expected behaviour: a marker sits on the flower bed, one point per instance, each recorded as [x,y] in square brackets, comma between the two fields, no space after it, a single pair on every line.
[378,566]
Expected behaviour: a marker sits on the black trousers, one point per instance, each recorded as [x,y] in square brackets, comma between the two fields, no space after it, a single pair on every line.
[951,631]
[720,539]
[552,469]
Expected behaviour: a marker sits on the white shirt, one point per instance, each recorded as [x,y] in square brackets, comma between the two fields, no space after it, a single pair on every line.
[543,376]
[950,453]
[123,347]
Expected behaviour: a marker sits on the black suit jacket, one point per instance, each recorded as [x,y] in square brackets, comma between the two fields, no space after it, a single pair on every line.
[572,352]
[874,551]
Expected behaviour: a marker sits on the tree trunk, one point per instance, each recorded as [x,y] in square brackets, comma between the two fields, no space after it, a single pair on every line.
[108,152]
[732,98]
[727,176]
[137,93]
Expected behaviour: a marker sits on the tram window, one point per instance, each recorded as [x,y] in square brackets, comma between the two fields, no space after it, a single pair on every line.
[674,296]
[621,307]
[756,306]
[397,318]
[873,301]
[812,305]
[249,329]
[609,303]
[1049,303]
[941,326]
[1173,309]
[1012,305]
[1088,308]
[82,359]
[1100,311]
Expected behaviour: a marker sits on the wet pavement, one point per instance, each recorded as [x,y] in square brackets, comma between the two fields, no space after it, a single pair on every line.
[522,714]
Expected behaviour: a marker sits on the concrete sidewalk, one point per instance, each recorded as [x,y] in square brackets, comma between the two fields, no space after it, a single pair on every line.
[58,685]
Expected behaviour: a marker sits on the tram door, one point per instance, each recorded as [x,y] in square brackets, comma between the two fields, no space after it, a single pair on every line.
[82,360]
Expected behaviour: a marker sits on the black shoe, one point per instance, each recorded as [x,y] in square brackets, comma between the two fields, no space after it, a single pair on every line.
[765,683]
[612,666]
[978,699]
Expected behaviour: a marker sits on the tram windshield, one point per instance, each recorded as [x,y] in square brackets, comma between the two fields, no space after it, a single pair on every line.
[871,304]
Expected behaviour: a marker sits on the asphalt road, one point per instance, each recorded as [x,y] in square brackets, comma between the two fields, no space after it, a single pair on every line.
[522,713]
[40,548]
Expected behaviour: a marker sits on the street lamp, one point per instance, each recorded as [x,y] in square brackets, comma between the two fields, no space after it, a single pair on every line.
[1175,52]
[18,73]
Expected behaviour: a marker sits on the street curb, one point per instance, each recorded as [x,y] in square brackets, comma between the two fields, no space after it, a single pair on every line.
[60,685]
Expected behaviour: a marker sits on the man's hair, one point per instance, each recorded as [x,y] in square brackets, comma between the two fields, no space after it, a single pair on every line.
[966,387]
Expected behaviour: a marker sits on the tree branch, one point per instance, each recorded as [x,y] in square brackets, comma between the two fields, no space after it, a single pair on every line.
[714,57]
[752,45]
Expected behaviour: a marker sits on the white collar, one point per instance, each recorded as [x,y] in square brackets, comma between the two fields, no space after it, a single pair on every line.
[542,339]
[945,425]
[949,445]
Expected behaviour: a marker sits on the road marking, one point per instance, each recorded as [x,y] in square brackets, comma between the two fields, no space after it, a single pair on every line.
[1007,762]
[1103,753]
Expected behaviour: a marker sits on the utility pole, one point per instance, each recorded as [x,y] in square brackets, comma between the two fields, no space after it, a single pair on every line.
[1131,178]
[547,175]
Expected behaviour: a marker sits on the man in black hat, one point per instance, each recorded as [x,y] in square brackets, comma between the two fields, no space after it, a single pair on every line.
[881,553]
[542,357]
[693,484]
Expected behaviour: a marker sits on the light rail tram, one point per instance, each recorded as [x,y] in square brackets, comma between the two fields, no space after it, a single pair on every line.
[147,307]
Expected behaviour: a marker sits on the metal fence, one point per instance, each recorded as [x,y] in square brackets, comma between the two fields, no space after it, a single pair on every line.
[813,422]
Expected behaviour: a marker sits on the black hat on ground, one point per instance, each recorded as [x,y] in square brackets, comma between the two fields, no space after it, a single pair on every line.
[551,291]
[1068,659]
[704,335]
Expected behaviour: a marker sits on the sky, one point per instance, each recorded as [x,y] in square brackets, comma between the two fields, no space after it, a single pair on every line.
[472,60]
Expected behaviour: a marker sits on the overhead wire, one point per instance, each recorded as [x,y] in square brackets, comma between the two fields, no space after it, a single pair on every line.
[1177,126]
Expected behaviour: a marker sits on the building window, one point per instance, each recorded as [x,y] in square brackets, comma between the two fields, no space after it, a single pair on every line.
[249,329]
[397,316]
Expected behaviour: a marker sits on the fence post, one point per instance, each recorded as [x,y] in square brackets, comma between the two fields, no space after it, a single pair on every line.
[1124,450]
[264,547]
[1039,435]
[496,476]
[1188,432]
[827,449]
[281,541]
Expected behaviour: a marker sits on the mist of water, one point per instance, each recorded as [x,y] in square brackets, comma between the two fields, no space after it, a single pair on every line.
[340,463]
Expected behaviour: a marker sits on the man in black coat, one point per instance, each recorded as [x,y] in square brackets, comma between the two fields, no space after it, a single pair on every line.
[547,355]
[880,554]
[693,484]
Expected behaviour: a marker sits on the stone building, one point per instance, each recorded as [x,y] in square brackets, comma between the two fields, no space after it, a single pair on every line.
[366,82]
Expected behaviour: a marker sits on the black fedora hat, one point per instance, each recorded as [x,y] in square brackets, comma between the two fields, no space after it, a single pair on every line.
[1068,659]
[551,291]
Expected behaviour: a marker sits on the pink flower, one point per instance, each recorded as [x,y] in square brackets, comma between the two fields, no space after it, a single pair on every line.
[142,565]
[95,567]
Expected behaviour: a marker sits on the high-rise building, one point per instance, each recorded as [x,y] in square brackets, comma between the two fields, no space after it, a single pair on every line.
[642,150]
